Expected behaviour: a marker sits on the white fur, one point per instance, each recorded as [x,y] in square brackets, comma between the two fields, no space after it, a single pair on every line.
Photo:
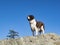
[33,26]
[37,30]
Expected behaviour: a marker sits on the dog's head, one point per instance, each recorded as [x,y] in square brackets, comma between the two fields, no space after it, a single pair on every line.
[30,17]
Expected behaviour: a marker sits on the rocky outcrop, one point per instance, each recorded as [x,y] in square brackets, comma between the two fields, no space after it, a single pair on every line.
[46,39]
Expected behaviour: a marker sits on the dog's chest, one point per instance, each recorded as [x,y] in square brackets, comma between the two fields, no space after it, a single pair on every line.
[33,25]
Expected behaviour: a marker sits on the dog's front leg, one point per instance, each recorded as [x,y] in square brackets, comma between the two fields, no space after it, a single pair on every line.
[36,31]
[33,33]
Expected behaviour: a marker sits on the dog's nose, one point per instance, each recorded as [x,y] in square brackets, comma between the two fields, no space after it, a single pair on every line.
[28,17]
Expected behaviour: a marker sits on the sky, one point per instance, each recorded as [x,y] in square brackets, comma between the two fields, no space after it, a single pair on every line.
[13,16]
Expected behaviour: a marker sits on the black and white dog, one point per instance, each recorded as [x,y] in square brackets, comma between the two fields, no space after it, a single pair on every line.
[36,26]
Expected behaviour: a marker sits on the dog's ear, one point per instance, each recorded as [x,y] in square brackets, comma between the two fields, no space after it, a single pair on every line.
[31,16]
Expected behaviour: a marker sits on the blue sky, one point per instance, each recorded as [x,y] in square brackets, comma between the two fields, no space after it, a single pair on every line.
[13,15]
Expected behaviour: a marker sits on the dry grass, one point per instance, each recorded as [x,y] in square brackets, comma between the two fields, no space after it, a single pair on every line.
[47,39]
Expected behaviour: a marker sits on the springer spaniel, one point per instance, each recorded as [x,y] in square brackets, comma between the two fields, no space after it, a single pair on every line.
[36,26]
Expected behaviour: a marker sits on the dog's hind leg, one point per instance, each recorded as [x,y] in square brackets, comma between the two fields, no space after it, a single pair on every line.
[42,28]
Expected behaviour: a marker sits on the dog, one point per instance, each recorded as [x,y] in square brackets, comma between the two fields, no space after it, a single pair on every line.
[36,26]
